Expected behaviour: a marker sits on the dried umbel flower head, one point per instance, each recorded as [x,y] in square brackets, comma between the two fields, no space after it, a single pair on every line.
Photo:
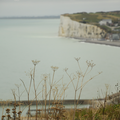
[66,69]
[54,68]
[7,109]
[3,116]
[13,109]
[35,62]
[8,116]
[17,104]
[79,73]
[107,86]
[14,112]
[77,59]
[90,63]
[19,112]
[45,77]
[99,72]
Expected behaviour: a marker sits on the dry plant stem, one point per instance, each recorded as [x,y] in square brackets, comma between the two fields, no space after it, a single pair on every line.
[2,103]
[76,92]
[81,87]
[35,90]
[75,89]
[75,103]
[71,80]
[83,76]
[51,88]
[45,95]
[28,93]
[66,86]
[60,94]
[79,66]
[63,95]
[19,95]
[32,100]
[13,91]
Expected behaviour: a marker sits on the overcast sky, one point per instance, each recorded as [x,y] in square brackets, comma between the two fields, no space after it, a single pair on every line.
[54,7]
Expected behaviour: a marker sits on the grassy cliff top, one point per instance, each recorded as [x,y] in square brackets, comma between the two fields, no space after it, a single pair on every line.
[93,18]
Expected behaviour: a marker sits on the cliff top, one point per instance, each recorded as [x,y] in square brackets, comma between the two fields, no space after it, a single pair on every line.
[94,18]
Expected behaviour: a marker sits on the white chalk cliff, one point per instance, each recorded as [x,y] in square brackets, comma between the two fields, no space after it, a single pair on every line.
[70,28]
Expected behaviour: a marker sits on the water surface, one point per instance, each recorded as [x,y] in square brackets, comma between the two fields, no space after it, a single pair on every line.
[27,39]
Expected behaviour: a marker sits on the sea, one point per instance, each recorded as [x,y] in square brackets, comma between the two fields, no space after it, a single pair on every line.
[24,40]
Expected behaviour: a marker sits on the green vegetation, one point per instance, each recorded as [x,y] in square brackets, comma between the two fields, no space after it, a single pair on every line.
[117,28]
[93,18]
[106,28]
[112,112]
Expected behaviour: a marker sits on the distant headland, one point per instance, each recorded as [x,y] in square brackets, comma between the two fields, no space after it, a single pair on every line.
[100,27]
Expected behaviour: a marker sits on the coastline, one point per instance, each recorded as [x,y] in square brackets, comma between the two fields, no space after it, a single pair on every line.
[110,43]
[115,43]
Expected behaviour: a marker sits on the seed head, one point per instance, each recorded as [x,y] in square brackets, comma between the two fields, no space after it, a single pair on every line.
[14,112]
[7,109]
[90,63]
[35,62]
[100,72]
[107,86]
[66,69]
[19,112]
[77,59]
[3,116]
[54,68]
[9,116]
[79,73]
[45,77]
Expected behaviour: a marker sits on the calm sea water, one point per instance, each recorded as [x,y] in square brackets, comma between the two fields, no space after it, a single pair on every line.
[23,40]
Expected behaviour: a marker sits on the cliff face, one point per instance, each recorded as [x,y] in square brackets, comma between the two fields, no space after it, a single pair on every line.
[70,28]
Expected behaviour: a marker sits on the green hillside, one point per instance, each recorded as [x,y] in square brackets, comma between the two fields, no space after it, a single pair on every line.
[94,18]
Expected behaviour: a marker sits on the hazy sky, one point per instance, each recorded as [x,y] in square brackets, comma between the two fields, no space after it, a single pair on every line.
[54,7]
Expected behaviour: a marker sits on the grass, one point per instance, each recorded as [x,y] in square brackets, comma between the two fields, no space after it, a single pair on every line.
[94,17]
[117,28]
[111,113]
[56,92]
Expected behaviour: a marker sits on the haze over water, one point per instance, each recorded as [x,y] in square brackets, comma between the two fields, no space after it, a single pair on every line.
[23,40]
